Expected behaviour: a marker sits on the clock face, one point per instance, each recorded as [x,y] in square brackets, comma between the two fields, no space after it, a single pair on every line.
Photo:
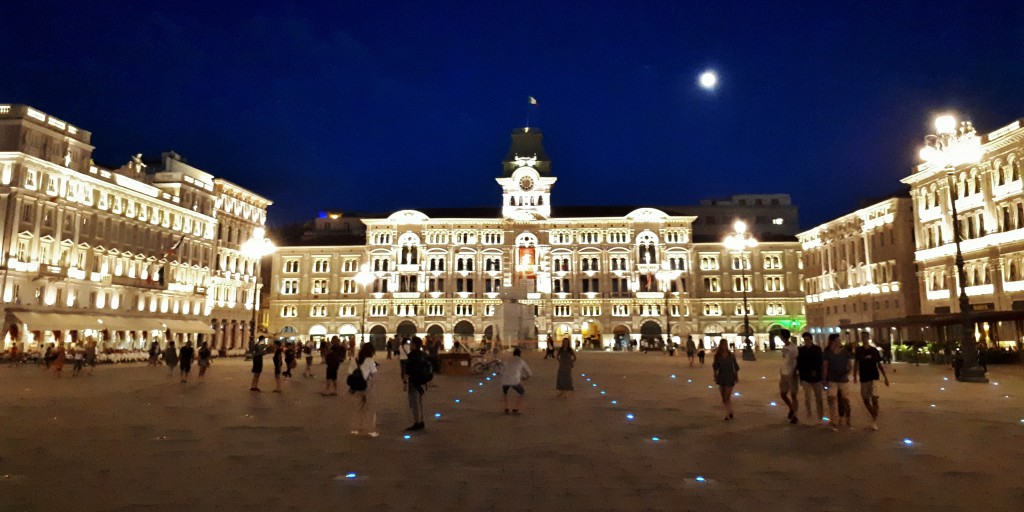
[525,183]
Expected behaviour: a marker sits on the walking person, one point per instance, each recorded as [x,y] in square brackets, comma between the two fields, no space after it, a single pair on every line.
[549,351]
[727,374]
[59,356]
[335,355]
[308,352]
[700,352]
[154,353]
[48,356]
[418,372]
[90,354]
[808,367]
[364,421]
[78,357]
[691,350]
[170,358]
[257,363]
[566,359]
[788,381]
[186,356]
[512,377]
[867,365]
[278,362]
[205,358]
[836,369]
[289,360]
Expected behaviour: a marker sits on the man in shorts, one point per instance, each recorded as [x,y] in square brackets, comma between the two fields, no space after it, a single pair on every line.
[516,371]
[867,364]
[837,378]
[808,367]
[788,381]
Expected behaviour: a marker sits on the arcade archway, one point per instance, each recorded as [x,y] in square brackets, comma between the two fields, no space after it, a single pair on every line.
[406,328]
[463,331]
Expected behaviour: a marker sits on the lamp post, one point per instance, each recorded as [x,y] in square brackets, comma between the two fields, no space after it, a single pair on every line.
[949,147]
[666,277]
[364,278]
[255,248]
[741,241]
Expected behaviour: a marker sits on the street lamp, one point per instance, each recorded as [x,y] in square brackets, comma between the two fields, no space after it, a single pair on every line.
[666,277]
[741,241]
[364,278]
[255,248]
[948,148]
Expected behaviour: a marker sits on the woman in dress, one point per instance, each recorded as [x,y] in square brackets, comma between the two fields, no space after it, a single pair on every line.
[700,352]
[58,360]
[257,364]
[364,422]
[566,357]
[726,375]
[335,355]
[204,359]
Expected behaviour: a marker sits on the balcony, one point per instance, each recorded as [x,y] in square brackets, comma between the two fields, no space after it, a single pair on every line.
[406,295]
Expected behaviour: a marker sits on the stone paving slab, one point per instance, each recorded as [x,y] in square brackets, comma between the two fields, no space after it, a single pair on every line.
[127,438]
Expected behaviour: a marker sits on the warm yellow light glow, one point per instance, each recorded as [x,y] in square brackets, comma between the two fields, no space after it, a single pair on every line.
[945,124]
[740,227]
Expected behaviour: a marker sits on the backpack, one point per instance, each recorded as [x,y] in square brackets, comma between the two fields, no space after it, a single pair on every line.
[356,381]
[422,372]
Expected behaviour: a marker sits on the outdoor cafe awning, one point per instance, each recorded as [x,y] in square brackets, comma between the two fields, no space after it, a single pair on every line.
[193,326]
[43,321]
[40,321]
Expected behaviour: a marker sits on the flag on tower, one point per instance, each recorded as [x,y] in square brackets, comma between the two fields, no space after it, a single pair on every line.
[533,101]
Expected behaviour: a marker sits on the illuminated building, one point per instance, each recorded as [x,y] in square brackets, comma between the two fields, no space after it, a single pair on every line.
[603,273]
[125,255]
[859,272]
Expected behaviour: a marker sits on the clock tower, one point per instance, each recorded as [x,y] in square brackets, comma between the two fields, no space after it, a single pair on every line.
[526,178]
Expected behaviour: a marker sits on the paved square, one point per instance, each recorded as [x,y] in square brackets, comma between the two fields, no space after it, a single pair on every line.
[129,439]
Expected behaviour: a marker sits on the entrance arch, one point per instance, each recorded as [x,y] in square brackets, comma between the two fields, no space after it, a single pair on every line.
[378,336]
[318,334]
[406,328]
[650,329]
[464,331]
[591,332]
[489,333]
[435,330]
[563,331]
[774,332]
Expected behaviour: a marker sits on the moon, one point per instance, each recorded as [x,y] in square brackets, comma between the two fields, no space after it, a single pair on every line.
[708,80]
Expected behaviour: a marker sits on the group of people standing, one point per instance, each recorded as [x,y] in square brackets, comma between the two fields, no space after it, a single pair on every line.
[816,372]
[181,359]
[57,356]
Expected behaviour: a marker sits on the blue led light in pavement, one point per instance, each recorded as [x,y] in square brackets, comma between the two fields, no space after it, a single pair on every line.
[480,384]
[604,393]
[458,401]
[583,375]
[933,405]
[942,389]
[437,415]
[588,379]
[908,442]
[350,475]
[629,416]
[736,393]
[699,479]
[407,436]
[594,385]
[471,391]
[655,439]
[996,383]
[824,418]
[773,404]
[689,380]
[945,378]
[488,378]
[673,375]
[615,402]
[709,387]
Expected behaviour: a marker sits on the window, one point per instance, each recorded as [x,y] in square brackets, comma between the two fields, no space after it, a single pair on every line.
[464,264]
[709,262]
[491,238]
[321,265]
[589,264]
[289,311]
[379,310]
[289,286]
[741,283]
[646,248]
[561,237]
[492,264]
[464,285]
[349,265]
[319,286]
[591,286]
[738,311]
[489,310]
[436,264]
[677,263]
[561,285]
[405,309]
[563,310]
[619,264]
[674,237]
[492,285]
[711,284]
[347,311]
[740,262]
[381,238]
[590,310]
[380,285]
[464,309]
[712,309]
[620,310]
[560,264]
[618,237]
[435,310]
[590,237]
[620,287]
[348,286]
[773,284]
[408,283]
[435,285]
[772,262]
[318,310]
[291,266]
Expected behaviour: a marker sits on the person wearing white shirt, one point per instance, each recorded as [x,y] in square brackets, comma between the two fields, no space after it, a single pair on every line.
[516,371]
[364,421]
[788,381]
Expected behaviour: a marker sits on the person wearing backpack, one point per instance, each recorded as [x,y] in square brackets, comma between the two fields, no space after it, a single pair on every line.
[364,422]
[418,372]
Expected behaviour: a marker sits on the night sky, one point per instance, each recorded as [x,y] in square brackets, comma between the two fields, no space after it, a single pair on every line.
[381,106]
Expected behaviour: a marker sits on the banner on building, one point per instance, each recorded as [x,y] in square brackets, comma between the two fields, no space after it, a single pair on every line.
[526,262]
